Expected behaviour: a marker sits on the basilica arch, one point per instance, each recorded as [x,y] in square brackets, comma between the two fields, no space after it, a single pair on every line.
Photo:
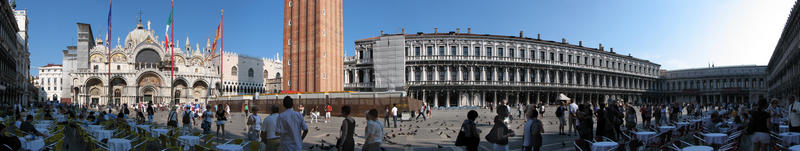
[180,88]
[118,87]
[148,85]
[199,91]
[94,87]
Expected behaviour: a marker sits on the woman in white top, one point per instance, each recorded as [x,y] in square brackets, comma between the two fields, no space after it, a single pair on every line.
[374,132]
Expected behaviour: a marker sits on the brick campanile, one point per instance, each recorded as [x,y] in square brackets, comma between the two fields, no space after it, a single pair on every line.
[312,46]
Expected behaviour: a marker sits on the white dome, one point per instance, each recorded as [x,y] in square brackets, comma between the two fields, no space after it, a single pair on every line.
[136,36]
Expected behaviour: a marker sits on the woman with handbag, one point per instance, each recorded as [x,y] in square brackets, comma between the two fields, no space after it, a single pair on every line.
[500,132]
[346,141]
[469,135]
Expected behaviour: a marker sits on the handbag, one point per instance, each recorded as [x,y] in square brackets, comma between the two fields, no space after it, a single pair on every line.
[461,140]
[492,137]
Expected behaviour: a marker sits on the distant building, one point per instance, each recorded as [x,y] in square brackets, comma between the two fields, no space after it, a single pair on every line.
[50,80]
[312,45]
[714,85]
[15,86]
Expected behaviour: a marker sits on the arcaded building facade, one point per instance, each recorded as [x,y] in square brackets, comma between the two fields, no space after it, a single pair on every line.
[464,69]
[712,85]
[312,45]
[783,67]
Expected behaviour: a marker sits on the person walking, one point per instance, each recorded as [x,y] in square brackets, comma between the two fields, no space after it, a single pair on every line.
[386,114]
[222,116]
[268,130]
[246,109]
[207,119]
[602,121]
[541,110]
[645,113]
[187,118]
[630,117]
[585,128]
[471,131]
[254,124]
[314,115]
[760,127]
[373,132]
[500,132]
[519,110]
[561,119]
[172,118]
[328,110]
[532,134]
[346,141]
[150,112]
[394,114]
[289,125]
[794,115]
[573,109]
[422,110]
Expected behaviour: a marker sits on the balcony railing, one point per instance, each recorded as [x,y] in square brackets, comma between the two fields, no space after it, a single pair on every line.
[525,60]
[359,85]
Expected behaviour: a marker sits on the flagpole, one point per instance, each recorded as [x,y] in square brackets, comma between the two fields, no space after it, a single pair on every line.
[108,46]
[172,53]
[221,45]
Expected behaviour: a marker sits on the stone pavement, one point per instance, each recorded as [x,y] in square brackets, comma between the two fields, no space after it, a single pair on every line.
[437,133]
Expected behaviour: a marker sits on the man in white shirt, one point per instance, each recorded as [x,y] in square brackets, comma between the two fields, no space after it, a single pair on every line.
[573,109]
[268,129]
[394,114]
[794,116]
[288,127]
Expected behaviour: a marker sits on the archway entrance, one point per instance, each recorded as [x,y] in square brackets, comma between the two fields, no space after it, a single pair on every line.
[94,87]
[149,85]
[147,95]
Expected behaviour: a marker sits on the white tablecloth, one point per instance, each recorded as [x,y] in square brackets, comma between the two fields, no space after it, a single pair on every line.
[119,144]
[157,132]
[60,118]
[189,141]
[783,128]
[234,147]
[795,148]
[34,145]
[715,138]
[698,148]
[41,126]
[103,134]
[682,124]
[144,126]
[645,136]
[43,130]
[666,128]
[604,146]
[48,122]
[95,127]
[790,138]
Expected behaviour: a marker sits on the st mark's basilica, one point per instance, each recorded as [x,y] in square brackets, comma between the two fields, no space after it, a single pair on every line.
[140,71]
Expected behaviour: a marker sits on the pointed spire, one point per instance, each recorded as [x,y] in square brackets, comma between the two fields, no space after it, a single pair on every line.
[187,42]
[208,43]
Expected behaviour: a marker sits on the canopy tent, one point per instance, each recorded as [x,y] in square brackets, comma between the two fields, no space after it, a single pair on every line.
[562,97]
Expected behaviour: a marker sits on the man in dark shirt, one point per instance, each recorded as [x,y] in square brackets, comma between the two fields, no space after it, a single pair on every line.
[28,127]
[8,142]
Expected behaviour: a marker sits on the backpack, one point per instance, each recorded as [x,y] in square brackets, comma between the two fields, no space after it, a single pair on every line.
[560,111]
[186,118]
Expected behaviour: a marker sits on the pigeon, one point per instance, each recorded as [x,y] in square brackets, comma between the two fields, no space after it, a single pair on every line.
[448,136]
[328,135]
[439,146]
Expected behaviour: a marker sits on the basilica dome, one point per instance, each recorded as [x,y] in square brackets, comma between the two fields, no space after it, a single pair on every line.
[137,35]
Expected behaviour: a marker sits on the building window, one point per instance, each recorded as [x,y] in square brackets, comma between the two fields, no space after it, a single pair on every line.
[552,56]
[561,57]
[406,51]
[522,75]
[117,67]
[489,51]
[453,50]
[569,58]
[489,76]
[441,50]
[429,74]
[477,51]
[430,51]
[417,74]
[500,52]
[95,68]
[233,70]
[541,55]
[511,74]
[250,72]
[501,76]
[511,52]
[465,51]
[453,74]
[465,74]
[442,74]
[360,54]
[266,74]
[324,76]
[522,53]
[416,51]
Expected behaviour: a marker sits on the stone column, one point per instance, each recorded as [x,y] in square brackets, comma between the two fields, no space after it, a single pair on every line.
[423,97]
[448,99]
[436,98]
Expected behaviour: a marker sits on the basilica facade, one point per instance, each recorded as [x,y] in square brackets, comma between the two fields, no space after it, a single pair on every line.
[140,70]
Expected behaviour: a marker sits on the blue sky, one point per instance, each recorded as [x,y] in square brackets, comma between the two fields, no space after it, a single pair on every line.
[676,34]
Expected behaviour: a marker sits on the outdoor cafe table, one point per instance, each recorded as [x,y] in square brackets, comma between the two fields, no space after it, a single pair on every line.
[48,122]
[95,127]
[41,126]
[119,144]
[667,128]
[715,138]
[795,148]
[645,136]
[682,124]
[189,141]
[102,134]
[783,128]
[234,147]
[144,126]
[604,146]
[33,144]
[790,138]
[160,131]
[698,148]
